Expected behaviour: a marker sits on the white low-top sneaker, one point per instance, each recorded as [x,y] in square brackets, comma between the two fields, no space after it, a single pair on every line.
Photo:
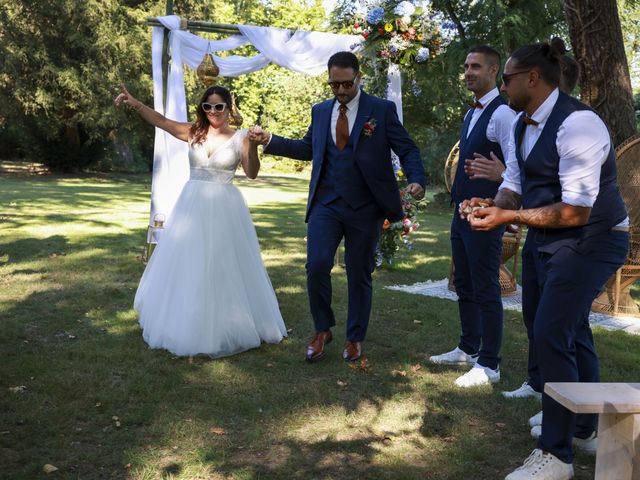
[536,419]
[454,357]
[524,391]
[542,466]
[478,375]
[588,445]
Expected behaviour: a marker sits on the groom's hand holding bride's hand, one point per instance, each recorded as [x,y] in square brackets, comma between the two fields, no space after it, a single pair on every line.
[258,135]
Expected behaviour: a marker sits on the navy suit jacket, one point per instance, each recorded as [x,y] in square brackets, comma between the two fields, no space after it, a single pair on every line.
[372,152]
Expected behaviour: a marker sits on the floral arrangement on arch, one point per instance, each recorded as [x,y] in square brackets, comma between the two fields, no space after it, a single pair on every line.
[404,33]
[397,234]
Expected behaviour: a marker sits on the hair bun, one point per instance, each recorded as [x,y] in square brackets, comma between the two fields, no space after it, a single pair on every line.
[557,47]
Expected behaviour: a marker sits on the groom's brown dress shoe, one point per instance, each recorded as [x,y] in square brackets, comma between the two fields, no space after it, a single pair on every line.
[315,350]
[352,351]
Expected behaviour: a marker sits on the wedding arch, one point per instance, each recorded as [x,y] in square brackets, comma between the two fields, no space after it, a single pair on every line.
[297,50]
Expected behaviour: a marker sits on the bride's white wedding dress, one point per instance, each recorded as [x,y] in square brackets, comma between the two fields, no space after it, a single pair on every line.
[205,289]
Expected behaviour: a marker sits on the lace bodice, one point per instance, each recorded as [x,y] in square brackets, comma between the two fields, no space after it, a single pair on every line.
[220,167]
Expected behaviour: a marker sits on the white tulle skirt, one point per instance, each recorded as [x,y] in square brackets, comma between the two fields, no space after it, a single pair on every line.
[205,289]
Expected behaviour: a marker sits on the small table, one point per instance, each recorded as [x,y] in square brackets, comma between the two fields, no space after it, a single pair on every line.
[618,404]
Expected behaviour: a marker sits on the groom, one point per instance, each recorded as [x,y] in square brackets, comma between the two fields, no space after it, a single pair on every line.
[352,190]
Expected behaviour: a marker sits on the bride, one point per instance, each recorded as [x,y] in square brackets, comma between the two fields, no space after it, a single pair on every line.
[205,289]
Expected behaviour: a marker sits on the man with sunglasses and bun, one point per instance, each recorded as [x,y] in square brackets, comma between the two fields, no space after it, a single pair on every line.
[561,170]
[352,190]
[476,255]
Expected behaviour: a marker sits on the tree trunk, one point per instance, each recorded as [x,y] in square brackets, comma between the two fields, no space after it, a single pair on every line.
[605,84]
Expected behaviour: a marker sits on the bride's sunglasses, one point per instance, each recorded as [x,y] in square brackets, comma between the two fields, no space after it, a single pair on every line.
[214,107]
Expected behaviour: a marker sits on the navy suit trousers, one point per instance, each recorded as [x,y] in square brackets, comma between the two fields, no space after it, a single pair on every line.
[476,260]
[562,287]
[361,227]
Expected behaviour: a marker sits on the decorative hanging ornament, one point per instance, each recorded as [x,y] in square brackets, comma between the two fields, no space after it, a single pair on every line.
[208,70]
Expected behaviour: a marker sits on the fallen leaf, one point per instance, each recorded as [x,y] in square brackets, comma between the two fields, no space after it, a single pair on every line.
[500,425]
[127,466]
[398,373]
[98,404]
[342,384]
[217,430]
[418,322]
[48,468]
[416,367]
[18,389]
[269,365]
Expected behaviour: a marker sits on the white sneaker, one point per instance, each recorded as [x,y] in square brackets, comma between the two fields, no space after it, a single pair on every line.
[524,391]
[588,445]
[454,357]
[478,375]
[542,466]
[536,419]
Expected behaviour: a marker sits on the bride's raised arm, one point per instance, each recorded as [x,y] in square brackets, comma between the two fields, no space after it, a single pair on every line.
[250,158]
[180,130]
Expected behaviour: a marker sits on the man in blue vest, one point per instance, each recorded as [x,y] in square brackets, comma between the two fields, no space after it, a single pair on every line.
[352,190]
[476,255]
[561,170]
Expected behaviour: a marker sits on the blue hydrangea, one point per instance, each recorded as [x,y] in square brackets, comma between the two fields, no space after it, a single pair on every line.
[423,55]
[405,9]
[375,16]
[417,91]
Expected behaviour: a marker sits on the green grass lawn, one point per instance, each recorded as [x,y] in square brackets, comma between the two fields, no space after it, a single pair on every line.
[97,403]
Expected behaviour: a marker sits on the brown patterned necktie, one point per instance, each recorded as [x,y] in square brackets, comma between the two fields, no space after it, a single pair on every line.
[342,128]
[475,104]
[528,120]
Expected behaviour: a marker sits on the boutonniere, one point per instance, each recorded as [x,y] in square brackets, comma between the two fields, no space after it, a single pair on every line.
[369,127]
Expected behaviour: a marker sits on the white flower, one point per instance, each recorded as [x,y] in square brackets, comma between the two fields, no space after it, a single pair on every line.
[404,9]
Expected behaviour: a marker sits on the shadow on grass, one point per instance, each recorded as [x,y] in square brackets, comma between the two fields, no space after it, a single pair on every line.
[98,403]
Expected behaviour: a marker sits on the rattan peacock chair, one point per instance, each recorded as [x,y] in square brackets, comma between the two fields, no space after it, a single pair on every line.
[510,239]
[615,299]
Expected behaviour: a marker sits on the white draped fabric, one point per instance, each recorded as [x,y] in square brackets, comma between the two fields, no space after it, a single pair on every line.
[300,51]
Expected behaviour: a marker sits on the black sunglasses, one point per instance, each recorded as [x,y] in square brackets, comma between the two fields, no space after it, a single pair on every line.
[218,107]
[506,77]
[346,85]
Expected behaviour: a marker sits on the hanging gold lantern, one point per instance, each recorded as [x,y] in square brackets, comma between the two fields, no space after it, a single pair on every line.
[208,70]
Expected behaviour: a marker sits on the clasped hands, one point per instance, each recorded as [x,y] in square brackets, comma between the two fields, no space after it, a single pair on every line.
[483,215]
[259,136]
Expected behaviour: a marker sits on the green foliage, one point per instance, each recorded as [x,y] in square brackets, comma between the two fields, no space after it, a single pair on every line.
[62,64]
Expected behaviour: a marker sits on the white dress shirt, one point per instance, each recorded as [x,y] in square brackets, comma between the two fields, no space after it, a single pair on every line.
[583,145]
[352,112]
[499,127]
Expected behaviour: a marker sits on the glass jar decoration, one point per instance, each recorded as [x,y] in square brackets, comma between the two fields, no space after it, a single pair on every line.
[154,232]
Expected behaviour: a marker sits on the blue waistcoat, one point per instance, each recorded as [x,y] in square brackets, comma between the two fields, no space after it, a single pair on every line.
[341,176]
[464,187]
[540,182]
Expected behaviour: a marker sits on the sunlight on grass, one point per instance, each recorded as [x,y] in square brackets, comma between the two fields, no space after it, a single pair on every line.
[69,268]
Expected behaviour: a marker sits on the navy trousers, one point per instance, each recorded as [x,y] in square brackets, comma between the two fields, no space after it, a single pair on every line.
[361,227]
[476,261]
[561,286]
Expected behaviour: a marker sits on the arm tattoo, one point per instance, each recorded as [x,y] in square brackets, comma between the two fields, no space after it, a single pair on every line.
[507,199]
[556,215]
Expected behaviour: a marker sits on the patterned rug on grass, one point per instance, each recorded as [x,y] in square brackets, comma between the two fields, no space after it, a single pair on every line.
[440,289]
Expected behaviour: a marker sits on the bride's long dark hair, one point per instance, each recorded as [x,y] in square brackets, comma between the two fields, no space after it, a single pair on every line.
[200,127]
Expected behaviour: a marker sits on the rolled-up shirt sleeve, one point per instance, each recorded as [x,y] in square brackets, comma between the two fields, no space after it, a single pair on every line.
[583,144]
[511,176]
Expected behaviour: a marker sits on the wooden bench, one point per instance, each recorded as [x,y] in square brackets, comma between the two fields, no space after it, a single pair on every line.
[618,404]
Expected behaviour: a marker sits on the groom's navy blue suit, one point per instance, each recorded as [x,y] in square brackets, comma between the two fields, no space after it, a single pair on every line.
[351,192]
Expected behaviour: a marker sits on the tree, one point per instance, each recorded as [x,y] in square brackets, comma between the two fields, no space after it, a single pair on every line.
[598,46]
[61,66]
